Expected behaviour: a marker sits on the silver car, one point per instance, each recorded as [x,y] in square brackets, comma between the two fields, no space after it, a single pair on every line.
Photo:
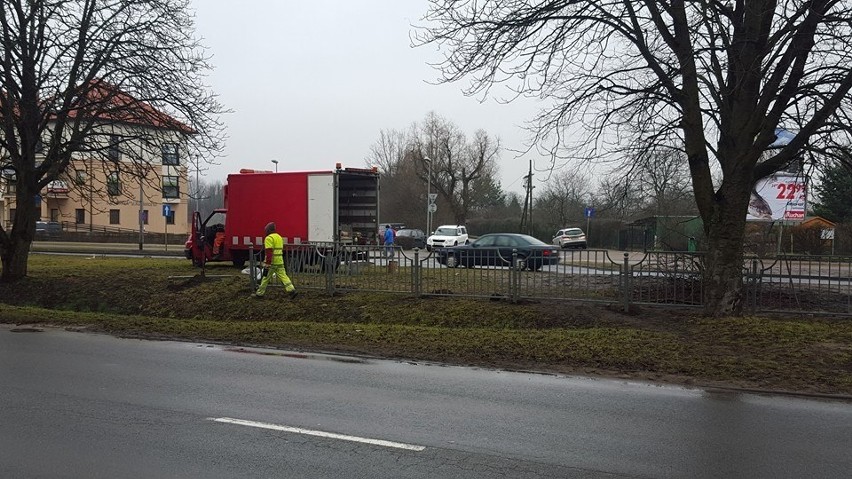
[570,238]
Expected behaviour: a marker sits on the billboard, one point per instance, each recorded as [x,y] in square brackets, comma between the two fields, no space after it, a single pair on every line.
[780,197]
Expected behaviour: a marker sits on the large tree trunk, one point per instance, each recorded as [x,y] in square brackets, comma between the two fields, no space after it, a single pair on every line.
[723,279]
[15,257]
[15,249]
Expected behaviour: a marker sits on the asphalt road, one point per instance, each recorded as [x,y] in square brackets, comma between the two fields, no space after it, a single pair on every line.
[83,405]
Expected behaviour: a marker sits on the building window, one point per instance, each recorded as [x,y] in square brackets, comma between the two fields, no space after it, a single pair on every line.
[113,184]
[80,177]
[11,184]
[79,216]
[170,219]
[114,217]
[54,214]
[12,214]
[170,154]
[171,188]
[113,151]
[144,217]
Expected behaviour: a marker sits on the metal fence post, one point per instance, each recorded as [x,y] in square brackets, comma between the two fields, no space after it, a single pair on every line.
[252,269]
[514,277]
[417,288]
[330,263]
[754,286]
[625,282]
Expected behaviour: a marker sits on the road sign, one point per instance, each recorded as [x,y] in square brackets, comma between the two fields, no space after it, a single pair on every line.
[432,208]
[433,197]
[589,212]
[167,210]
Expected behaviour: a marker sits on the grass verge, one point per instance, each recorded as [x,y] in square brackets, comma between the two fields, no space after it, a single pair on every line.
[134,297]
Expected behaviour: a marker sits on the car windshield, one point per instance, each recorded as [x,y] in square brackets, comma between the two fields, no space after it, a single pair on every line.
[574,231]
[405,233]
[446,231]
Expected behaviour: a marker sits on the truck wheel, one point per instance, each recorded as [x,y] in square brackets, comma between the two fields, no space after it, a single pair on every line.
[239,263]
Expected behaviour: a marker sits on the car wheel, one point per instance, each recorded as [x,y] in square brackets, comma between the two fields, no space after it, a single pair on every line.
[466,241]
[451,262]
[520,264]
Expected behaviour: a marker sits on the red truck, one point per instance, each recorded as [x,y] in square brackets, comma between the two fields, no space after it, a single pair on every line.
[311,210]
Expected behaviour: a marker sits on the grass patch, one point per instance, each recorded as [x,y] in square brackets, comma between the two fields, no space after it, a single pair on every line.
[134,296]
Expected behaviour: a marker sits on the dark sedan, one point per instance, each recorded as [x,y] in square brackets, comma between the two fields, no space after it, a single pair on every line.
[496,250]
[410,238]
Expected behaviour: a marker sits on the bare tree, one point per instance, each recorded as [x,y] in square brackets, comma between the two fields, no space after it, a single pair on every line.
[619,198]
[563,199]
[92,78]
[662,178]
[456,163]
[716,78]
[388,152]
[462,173]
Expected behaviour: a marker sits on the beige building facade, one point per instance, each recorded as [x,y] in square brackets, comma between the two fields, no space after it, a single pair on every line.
[136,180]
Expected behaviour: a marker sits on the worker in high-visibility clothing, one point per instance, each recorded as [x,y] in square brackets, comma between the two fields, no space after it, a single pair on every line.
[274,263]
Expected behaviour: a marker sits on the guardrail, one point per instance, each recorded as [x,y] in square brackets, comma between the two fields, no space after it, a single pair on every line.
[784,284]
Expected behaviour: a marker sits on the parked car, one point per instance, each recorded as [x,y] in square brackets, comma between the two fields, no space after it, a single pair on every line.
[496,249]
[447,235]
[410,238]
[48,228]
[385,226]
[570,238]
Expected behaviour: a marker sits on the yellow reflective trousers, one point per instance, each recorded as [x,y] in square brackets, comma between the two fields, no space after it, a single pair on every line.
[274,245]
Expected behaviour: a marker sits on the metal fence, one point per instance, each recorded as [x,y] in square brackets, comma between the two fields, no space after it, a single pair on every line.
[783,284]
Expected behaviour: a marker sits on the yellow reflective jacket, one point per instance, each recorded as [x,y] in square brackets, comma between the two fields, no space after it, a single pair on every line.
[274,245]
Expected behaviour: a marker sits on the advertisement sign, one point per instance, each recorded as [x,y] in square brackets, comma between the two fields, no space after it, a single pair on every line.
[778,197]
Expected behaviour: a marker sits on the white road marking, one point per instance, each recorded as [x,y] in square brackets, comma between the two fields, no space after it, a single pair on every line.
[310,432]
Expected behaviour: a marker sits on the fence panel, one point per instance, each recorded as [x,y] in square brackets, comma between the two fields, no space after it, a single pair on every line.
[668,278]
[584,275]
[478,273]
[813,284]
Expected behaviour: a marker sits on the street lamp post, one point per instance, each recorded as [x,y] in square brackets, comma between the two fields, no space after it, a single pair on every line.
[428,196]
[275,162]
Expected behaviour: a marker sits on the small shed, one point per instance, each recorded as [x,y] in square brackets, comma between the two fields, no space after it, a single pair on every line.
[669,233]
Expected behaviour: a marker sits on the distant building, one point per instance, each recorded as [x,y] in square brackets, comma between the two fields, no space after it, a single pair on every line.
[135,165]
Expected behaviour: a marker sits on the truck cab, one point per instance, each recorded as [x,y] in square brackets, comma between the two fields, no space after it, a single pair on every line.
[208,241]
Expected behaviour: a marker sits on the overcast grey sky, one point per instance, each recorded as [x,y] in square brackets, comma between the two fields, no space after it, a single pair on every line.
[312,83]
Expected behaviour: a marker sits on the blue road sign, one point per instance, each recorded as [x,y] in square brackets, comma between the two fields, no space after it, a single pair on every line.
[167,210]
[589,212]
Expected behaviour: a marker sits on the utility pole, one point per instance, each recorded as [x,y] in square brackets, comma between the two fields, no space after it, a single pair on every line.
[526,215]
